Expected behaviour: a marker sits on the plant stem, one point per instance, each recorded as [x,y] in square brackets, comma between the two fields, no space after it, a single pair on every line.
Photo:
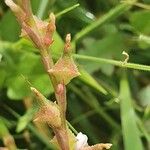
[62,138]
[114,62]
[62,102]
[46,59]
[8,139]
[67,10]
[72,128]
[61,134]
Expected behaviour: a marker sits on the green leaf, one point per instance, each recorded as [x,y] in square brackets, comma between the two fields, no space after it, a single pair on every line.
[9,28]
[88,79]
[29,64]
[140,20]
[19,62]
[2,78]
[144,96]
[17,88]
[42,83]
[103,48]
[131,137]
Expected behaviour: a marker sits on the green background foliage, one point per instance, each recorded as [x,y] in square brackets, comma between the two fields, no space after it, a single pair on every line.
[110,101]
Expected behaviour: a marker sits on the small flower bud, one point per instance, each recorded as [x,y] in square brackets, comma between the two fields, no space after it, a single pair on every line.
[64,70]
[52,18]
[48,41]
[12,5]
[49,111]
[49,31]
[67,44]
[49,114]
[33,36]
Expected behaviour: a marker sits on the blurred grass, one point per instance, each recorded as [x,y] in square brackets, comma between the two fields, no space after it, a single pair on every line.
[100,102]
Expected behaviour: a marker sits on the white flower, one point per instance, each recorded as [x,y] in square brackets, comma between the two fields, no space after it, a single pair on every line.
[81,141]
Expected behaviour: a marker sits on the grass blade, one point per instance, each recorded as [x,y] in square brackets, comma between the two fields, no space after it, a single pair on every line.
[130,130]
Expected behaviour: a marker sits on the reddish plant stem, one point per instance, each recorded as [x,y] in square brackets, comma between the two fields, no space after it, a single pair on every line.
[62,102]
[62,138]
[61,94]
[61,134]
